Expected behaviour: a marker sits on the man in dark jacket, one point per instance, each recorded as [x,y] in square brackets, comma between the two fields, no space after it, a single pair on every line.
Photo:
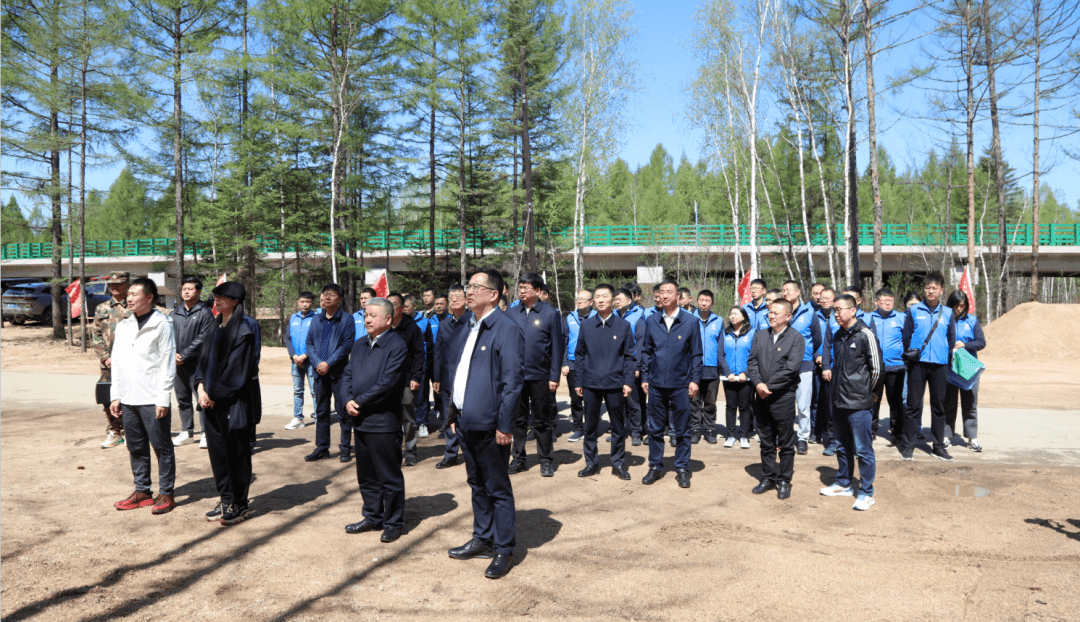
[606,360]
[371,386]
[542,327]
[329,342]
[776,357]
[485,376]
[404,325]
[192,321]
[670,372]
[449,328]
[854,370]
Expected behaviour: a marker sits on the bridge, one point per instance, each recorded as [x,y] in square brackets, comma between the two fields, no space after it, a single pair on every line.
[905,247]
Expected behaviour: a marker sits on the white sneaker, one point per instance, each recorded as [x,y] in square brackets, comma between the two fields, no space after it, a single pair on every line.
[202,441]
[836,490]
[744,443]
[730,442]
[948,442]
[112,440]
[863,503]
[295,424]
[974,445]
[422,432]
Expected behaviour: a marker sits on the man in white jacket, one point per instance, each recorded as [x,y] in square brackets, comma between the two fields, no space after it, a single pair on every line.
[143,369]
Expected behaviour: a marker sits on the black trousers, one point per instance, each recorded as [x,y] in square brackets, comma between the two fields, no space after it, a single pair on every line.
[893,391]
[616,409]
[486,469]
[325,387]
[378,471]
[577,404]
[822,411]
[537,393]
[230,456]
[636,411]
[737,402]
[184,406]
[703,407]
[145,430]
[409,427]
[918,377]
[776,430]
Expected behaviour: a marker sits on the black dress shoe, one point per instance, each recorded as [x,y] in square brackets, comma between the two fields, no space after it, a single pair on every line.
[673,442]
[765,486]
[365,525]
[345,456]
[547,469]
[695,438]
[589,471]
[410,460]
[683,478]
[531,436]
[318,454]
[636,441]
[622,474]
[653,475]
[390,534]
[472,549]
[710,439]
[801,448]
[446,462]
[516,466]
[783,490]
[499,566]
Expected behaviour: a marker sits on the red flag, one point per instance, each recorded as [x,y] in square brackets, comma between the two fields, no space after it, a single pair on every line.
[221,279]
[75,299]
[382,288]
[965,286]
[744,289]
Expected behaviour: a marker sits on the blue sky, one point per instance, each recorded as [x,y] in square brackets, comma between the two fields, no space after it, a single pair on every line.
[667,66]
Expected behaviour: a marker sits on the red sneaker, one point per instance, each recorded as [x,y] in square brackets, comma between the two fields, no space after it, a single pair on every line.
[135,501]
[163,505]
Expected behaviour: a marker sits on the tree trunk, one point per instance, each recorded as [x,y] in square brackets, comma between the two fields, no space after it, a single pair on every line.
[56,226]
[871,114]
[1035,198]
[461,176]
[178,170]
[851,171]
[999,168]
[431,187]
[82,187]
[969,25]
[526,165]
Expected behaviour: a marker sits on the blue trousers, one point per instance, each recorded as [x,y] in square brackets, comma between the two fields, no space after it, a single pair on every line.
[853,428]
[616,408]
[378,470]
[325,386]
[488,473]
[144,430]
[662,404]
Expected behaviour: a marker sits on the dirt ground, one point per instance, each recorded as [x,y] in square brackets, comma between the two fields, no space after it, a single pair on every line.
[976,540]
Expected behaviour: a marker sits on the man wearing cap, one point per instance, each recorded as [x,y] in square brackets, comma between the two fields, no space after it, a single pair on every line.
[106,317]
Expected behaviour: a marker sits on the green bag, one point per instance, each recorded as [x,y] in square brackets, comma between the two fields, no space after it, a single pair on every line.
[965,369]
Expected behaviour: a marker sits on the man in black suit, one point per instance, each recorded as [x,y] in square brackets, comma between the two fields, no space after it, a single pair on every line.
[404,325]
[485,378]
[371,386]
[542,326]
[605,356]
[776,356]
[449,328]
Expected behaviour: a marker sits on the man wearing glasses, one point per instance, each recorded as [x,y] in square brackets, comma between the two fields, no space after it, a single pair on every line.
[854,369]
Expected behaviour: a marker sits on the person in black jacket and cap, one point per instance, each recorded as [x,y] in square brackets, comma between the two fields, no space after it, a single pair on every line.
[404,325]
[854,370]
[192,321]
[223,380]
[372,386]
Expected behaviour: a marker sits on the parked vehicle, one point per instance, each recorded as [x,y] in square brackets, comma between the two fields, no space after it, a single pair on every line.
[6,284]
[33,301]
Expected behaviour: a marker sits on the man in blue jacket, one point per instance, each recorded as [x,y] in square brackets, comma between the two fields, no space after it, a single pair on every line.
[371,386]
[571,328]
[634,315]
[803,322]
[888,325]
[606,354]
[542,326]
[329,340]
[296,343]
[703,406]
[485,375]
[366,294]
[670,372]
[452,325]
[929,328]
[758,307]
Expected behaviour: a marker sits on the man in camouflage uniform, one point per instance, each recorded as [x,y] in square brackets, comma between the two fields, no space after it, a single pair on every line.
[106,317]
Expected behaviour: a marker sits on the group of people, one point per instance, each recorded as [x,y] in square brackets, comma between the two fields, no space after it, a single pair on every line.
[794,371]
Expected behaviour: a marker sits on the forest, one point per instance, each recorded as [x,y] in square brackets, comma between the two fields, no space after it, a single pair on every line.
[317,126]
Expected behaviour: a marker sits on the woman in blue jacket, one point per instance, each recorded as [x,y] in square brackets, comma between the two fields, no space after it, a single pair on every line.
[738,337]
[969,336]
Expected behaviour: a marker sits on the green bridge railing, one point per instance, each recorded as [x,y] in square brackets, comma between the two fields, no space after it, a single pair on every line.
[704,235]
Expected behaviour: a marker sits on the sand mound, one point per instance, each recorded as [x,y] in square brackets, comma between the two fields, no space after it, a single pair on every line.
[1035,333]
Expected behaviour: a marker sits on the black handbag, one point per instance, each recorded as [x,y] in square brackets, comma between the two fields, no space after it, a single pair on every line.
[914,356]
[103,392]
